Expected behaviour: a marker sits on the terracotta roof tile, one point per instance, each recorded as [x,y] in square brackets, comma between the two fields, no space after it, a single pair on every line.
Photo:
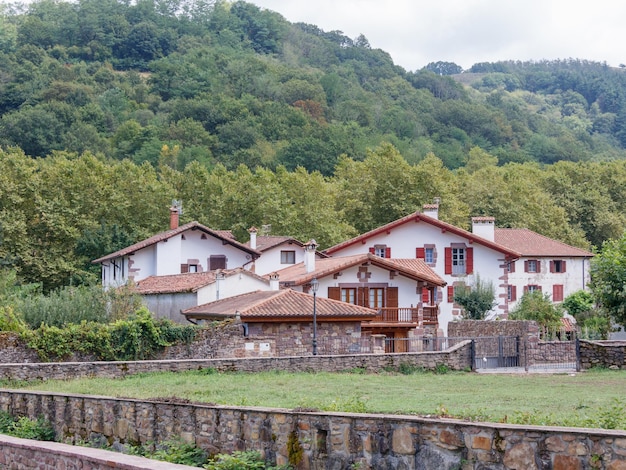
[282,304]
[413,268]
[266,242]
[420,217]
[188,282]
[530,243]
[159,237]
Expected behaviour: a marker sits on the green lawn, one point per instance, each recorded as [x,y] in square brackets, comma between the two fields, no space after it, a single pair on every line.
[589,399]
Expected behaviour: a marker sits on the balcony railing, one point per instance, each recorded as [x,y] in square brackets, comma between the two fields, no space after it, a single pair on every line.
[408,315]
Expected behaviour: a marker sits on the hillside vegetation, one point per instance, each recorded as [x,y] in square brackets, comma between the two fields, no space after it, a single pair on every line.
[110,109]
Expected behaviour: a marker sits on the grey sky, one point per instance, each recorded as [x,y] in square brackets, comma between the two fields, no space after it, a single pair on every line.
[416,32]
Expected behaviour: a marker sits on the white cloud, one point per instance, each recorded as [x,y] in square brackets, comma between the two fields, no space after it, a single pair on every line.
[470,31]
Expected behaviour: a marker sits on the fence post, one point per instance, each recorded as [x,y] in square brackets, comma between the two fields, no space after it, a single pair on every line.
[473,355]
[578,366]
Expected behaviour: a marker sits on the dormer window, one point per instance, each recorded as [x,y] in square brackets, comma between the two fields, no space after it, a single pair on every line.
[381,250]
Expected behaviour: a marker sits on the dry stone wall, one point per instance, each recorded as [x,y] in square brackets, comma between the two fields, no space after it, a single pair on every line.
[312,440]
[456,358]
[609,354]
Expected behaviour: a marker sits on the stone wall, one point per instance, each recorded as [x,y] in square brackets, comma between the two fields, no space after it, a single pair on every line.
[610,354]
[456,358]
[314,440]
[24,454]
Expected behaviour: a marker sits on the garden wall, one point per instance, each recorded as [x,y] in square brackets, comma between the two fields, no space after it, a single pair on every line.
[609,354]
[24,454]
[324,440]
[456,358]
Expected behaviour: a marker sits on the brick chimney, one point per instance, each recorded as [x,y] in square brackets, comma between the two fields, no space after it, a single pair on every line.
[310,249]
[484,227]
[173,217]
[253,231]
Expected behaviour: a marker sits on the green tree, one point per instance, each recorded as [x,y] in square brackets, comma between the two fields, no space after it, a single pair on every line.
[608,279]
[537,306]
[476,300]
[593,324]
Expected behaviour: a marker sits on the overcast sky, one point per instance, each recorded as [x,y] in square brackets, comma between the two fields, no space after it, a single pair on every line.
[416,32]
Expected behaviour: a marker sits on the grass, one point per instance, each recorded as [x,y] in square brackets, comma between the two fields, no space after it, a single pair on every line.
[589,399]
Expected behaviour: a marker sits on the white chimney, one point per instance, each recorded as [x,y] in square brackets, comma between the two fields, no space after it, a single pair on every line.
[253,231]
[484,227]
[310,249]
[431,210]
[274,282]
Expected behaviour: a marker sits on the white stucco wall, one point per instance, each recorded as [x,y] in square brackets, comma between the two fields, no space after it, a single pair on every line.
[403,241]
[269,261]
[575,278]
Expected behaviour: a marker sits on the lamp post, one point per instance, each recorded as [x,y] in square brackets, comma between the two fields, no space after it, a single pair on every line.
[314,286]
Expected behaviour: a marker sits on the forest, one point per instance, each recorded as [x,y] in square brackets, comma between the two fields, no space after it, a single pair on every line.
[110,109]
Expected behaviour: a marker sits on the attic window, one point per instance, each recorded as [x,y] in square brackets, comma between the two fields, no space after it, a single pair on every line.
[287,257]
[203,237]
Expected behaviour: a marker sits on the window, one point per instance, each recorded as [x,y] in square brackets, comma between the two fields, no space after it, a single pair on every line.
[429,255]
[510,267]
[193,268]
[557,293]
[348,294]
[532,266]
[458,260]
[217,262]
[381,250]
[287,257]
[511,293]
[557,266]
[532,288]
[376,296]
[453,290]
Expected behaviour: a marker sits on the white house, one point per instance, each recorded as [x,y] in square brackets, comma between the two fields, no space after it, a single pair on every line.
[167,296]
[547,265]
[401,290]
[277,252]
[181,249]
[454,254]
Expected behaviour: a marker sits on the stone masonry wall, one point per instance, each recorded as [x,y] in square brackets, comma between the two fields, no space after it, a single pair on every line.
[25,454]
[456,358]
[313,440]
[609,354]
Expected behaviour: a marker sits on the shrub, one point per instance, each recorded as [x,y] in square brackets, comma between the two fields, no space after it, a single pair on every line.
[26,428]
[538,307]
[180,452]
[476,300]
[248,460]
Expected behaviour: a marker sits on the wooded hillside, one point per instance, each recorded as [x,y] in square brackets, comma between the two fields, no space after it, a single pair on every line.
[110,109]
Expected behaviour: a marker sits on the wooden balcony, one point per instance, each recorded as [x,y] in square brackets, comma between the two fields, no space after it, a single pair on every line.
[408,315]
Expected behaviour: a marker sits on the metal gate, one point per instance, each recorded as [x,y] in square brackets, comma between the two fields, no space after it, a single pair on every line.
[493,352]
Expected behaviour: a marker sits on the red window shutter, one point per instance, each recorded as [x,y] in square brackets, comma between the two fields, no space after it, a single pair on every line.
[448,260]
[469,261]
[551,266]
[513,293]
[184,268]
[526,266]
[334,293]
[372,250]
[538,265]
[388,252]
[525,289]
[557,293]
[563,266]
[425,295]
[420,253]
[539,288]
[450,293]
[512,266]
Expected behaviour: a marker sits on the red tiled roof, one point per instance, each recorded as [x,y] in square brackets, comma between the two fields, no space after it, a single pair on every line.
[412,268]
[159,237]
[530,243]
[567,324]
[416,217]
[266,242]
[281,304]
[188,282]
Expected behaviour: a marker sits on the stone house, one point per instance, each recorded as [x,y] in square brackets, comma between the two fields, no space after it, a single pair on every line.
[289,321]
